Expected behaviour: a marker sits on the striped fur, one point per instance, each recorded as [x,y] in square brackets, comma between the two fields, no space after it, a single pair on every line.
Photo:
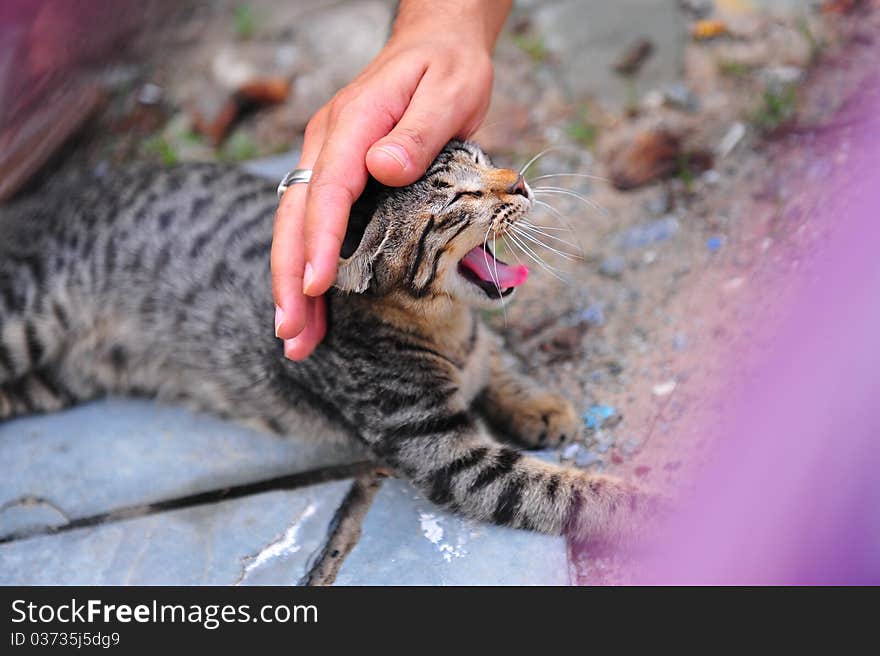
[155,282]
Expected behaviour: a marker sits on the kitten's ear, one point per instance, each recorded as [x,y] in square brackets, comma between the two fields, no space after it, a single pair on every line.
[364,239]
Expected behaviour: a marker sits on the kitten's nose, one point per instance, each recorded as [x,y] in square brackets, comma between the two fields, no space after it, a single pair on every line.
[518,187]
[505,181]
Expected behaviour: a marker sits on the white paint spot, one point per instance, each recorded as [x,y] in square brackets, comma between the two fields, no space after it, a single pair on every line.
[433,531]
[282,547]
[664,389]
[431,527]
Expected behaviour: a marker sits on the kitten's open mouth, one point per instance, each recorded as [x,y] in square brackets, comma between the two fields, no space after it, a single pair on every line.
[494,277]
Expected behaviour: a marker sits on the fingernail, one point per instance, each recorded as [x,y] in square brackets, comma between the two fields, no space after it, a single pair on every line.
[288,346]
[397,153]
[279,319]
[308,276]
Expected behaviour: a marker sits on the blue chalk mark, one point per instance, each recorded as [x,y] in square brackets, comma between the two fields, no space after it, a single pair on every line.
[715,243]
[598,415]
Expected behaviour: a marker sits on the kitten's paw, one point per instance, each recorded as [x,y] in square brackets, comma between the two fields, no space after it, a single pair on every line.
[545,421]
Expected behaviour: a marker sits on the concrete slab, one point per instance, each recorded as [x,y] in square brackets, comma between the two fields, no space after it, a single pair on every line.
[601,31]
[120,452]
[273,168]
[268,538]
[407,540]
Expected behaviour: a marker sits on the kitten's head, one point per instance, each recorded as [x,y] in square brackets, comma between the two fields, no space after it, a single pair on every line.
[434,237]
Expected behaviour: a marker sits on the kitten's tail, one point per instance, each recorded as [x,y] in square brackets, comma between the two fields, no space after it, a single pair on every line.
[456,466]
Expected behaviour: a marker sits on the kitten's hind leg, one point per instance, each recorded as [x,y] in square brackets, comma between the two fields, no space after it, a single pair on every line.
[519,410]
[33,393]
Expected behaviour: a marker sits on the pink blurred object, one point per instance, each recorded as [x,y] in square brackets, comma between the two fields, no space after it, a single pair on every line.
[49,52]
[792,494]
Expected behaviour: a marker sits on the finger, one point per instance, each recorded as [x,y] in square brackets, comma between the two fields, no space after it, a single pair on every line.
[340,175]
[287,261]
[405,154]
[288,244]
[302,346]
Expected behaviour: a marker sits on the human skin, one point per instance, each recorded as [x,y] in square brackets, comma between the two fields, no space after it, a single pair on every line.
[430,83]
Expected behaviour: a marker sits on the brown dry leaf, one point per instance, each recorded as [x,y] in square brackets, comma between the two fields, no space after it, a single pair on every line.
[651,155]
[708,29]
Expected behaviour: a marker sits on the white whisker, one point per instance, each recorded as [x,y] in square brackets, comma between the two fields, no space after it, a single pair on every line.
[544,227]
[535,240]
[567,192]
[497,277]
[536,230]
[531,254]
[486,253]
[562,218]
[568,175]
[507,247]
[523,170]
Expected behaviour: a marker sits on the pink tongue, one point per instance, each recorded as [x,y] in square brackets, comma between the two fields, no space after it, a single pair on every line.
[484,266]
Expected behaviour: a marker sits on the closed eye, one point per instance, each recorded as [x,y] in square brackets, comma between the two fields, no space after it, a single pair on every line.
[460,194]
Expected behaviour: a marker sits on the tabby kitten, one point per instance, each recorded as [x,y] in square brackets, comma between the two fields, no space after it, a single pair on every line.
[155,282]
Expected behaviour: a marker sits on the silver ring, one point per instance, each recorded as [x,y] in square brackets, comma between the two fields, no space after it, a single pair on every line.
[299,176]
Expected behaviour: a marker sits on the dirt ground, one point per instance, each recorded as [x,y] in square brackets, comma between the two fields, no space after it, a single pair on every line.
[667,272]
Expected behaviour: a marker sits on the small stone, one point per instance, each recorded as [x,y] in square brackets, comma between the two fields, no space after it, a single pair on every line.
[586,458]
[731,139]
[150,94]
[642,470]
[664,389]
[604,440]
[680,342]
[680,96]
[715,243]
[698,8]
[653,100]
[594,314]
[734,283]
[649,233]
[570,452]
[660,204]
[613,267]
[777,78]
[711,177]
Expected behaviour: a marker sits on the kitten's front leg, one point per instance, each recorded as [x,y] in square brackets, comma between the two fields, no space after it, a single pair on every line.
[520,410]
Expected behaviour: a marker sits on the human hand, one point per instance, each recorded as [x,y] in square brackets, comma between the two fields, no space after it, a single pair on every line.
[430,83]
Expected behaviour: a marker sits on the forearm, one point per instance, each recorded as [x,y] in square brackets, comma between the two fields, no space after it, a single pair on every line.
[472,19]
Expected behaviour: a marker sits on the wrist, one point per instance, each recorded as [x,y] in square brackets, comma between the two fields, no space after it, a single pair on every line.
[474,23]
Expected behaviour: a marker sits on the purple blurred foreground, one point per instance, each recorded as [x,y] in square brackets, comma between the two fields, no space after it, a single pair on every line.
[793,494]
